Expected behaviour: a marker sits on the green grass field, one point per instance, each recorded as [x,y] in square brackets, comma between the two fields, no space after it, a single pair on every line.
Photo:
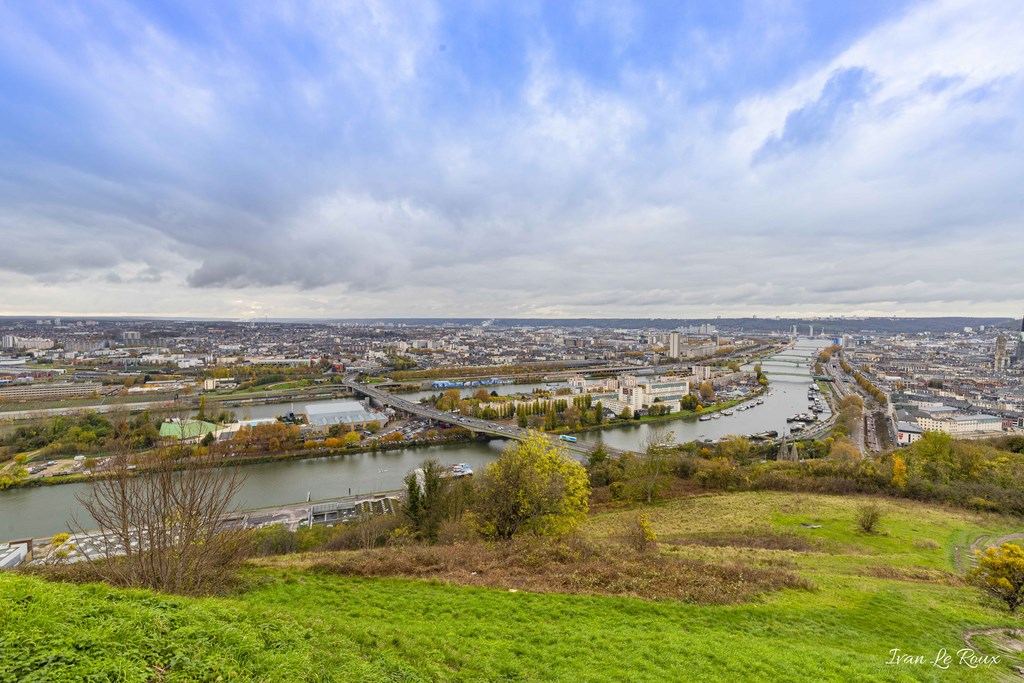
[873,593]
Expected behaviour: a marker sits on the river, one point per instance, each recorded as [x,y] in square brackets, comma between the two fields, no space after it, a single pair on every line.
[47,509]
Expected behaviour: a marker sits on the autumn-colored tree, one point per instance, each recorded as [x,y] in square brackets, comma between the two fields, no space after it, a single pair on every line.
[533,487]
[1000,573]
[14,473]
[734,448]
[707,391]
[899,472]
[844,449]
[449,399]
[572,417]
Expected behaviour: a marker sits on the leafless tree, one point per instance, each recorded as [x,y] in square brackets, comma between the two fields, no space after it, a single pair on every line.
[650,468]
[164,520]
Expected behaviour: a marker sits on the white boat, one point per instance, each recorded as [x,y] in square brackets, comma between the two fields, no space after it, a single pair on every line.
[461,470]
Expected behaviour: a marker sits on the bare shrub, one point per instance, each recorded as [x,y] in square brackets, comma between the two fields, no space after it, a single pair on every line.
[369,532]
[647,473]
[640,534]
[167,527]
[868,517]
[457,531]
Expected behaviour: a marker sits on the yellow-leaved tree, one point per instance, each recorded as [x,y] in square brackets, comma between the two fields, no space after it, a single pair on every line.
[535,488]
[899,472]
[1000,572]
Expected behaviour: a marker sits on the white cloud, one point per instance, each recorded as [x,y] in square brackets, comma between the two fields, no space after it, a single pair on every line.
[226,180]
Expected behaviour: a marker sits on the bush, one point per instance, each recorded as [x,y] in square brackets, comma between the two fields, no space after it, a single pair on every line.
[720,474]
[272,540]
[868,517]
[1000,573]
[685,468]
[640,534]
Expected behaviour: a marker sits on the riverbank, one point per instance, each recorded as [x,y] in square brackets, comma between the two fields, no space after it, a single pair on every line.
[259,459]
[383,446]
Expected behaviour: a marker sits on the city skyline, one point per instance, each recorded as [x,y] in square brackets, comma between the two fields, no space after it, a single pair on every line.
[543,161]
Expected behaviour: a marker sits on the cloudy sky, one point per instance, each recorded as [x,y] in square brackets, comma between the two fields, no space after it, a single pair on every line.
[518,159]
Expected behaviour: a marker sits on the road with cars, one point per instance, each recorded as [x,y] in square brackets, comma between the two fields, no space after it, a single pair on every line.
[473,424]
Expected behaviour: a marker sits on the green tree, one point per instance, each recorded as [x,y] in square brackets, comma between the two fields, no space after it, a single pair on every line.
[425,504]
[533,487]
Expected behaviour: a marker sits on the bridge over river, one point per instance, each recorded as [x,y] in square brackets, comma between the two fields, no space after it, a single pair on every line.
[474,424]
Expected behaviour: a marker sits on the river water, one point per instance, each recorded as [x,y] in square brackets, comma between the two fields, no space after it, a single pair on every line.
[48,509]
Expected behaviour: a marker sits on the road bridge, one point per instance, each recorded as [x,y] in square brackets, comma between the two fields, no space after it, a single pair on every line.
[473,424]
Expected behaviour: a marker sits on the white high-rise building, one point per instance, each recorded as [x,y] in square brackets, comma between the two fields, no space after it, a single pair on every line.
[673,345]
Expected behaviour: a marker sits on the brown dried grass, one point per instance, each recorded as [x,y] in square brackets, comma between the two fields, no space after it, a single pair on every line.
[572,566]
[915,574]
[756,539]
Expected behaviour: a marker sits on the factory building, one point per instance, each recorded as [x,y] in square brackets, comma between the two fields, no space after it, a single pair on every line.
[352,414]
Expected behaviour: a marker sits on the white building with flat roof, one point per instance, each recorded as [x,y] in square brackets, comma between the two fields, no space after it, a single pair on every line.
[641,393]
[351,414]
[948,420]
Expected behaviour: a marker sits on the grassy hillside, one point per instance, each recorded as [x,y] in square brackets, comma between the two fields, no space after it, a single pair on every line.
[897,589]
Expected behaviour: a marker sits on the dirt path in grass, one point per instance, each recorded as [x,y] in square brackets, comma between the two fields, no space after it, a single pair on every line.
[1009,644]
[979,543]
